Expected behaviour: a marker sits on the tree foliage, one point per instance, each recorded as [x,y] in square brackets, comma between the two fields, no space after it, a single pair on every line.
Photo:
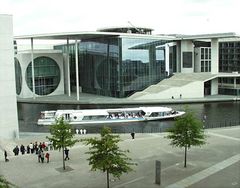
[4,183]
[61,136]
[187,131]
[105,154]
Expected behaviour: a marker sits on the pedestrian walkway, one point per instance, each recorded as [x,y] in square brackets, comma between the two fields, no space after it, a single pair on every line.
[217,163]
[205,173]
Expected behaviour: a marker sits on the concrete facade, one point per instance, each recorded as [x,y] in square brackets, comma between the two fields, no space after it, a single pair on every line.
[8,103]
[24,59]
[187,46]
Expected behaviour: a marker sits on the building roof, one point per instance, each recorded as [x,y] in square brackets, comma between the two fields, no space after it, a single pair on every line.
[87,35]
[208,36]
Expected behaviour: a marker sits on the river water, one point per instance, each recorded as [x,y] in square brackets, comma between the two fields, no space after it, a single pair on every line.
[218,114]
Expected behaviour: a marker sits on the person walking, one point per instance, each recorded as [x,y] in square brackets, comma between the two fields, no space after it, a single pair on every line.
[47,157]
[39,156]
[31,146]
[5,156]
[133,135]
[16,150]
[42,156]
[22,149]
[66,151]
[28,149]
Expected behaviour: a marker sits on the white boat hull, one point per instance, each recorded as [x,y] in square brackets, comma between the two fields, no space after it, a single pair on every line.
[107,121]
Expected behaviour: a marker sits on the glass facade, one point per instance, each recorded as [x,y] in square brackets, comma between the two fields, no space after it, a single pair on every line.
[18,76]
[117,66]
[229,56]
[205,59]
[47,75]
[142,65]
[229,86]
[98,66]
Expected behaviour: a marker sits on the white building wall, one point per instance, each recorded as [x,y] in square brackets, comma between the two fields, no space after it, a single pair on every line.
[167,58]
[214,56]
[8,104]
[187,46]
[25,59]
[197,60]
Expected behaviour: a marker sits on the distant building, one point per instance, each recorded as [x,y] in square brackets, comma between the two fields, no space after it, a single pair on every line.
[129,61]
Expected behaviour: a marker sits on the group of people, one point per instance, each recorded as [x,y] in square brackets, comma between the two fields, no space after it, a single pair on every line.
[33,148]
[42,156]
[81,131]
[125,115]
[40,149]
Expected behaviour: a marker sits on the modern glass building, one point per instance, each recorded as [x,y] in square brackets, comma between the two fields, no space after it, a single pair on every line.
[131,62]
[117,66]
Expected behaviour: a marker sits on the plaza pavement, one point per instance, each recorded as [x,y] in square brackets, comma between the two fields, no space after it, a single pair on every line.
[214,165]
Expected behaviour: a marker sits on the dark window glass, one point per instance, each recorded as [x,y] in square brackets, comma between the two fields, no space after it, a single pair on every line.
[187,59]
[18,76]
[47,75]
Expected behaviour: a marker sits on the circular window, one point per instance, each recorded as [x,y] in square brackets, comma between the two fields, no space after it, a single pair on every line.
[46,73]
[107,73]
[18,76]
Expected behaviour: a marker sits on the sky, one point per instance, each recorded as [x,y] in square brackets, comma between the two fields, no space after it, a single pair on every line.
[164,16]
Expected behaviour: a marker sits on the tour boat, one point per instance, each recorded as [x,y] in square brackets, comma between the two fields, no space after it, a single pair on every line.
[101,116]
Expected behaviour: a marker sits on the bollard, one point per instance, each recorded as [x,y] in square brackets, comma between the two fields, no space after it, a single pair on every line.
[158,172]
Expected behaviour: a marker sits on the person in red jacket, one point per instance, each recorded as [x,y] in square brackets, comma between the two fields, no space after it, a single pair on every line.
[47,157]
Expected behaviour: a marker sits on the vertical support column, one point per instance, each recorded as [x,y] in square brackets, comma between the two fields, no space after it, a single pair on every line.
[68,70]
[235,82]
[167,59]
[178,58]
[33,75]
[214,56]
[76,63]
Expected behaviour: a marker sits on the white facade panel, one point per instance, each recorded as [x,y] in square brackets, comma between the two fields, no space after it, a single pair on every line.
[8,110]
[25,59]
[187,46]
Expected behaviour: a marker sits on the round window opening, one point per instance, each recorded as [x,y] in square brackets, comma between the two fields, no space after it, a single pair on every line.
[47,75]
[18,76]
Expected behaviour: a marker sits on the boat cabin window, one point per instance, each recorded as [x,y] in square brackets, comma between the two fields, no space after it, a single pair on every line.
[157,114]
[100,117]
[48,115]
[66,116]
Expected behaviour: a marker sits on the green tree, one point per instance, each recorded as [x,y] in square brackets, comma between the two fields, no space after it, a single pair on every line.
[61,136]
[4,183]
[187,131]
[105,155]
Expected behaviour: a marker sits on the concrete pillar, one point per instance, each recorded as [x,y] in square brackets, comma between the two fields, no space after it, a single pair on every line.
[214,86]
[188,48]
[214,56]
[179,62]
[68,70]
[76,62]
[167,59]
[8,110]
[234,82]
[33,75]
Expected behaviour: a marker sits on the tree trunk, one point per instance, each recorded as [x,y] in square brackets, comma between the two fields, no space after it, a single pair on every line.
[185,157]
[107,179]
[63,158]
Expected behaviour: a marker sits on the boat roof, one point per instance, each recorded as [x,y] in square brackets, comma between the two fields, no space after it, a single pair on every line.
[155,109]
[113,110]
